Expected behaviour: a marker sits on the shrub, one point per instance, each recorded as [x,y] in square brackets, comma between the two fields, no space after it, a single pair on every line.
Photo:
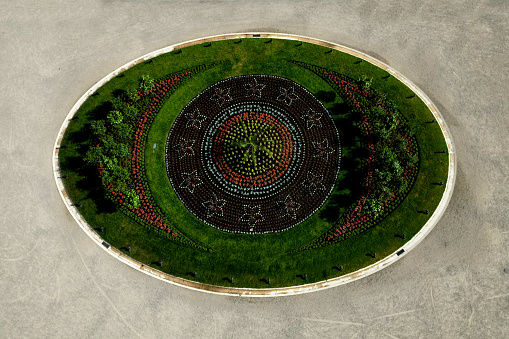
[98,127]
[145,83]
[132,95]
[123,131]
[132,199]
[108,143]
[118,104]
[365,82]
[94,155]
[373,206]
[130,112]
[115,117]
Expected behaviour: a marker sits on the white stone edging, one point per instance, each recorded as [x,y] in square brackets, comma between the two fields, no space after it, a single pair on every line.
[265,292]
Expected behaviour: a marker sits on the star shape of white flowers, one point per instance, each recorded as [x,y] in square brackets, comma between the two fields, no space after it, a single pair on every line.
[288,207]
[313,183]
[194,119]
[287,95]
[221,96]
[312,118]
[252,214]
[184,147]
[214,206]
[254,89]
[190,181]
[322,149]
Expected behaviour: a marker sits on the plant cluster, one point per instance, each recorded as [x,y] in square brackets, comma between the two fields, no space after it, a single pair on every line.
[119,150]
[111,152]
[391,165]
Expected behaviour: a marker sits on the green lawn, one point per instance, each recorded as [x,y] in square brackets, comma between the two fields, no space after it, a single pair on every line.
[249,258]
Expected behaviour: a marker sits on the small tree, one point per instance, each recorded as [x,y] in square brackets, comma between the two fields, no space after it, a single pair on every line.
[94,155]
[98,127]
[395,168]
[130,112]
[132,199]
[385,157]
[381,178]
[110,163]
[108,143]
[115,174]
[365,82]
[120,150]
[410,159]
[115,117]
[382,184]
[401,183]
[122,131]
[145,83]
[400,144]
[118,104]
[378,96]
[383,122]
[122,177]
[132,95]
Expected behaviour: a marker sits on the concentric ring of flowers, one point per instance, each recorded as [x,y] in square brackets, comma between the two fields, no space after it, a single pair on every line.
[254,147]
[271,180]
[253,154]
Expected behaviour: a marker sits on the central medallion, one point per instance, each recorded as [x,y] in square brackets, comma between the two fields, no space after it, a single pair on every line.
[252,144]
[253,154]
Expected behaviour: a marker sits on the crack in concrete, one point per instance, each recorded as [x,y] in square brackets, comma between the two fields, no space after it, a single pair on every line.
[102,291]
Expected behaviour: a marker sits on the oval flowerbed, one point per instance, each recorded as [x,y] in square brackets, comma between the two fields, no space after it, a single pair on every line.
[255,163]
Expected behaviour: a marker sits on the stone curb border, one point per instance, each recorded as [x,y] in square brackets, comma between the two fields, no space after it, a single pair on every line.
[268,292]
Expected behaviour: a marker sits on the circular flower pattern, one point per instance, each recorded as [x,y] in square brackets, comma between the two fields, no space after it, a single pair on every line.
[252,144]
[232,160]
[253,154]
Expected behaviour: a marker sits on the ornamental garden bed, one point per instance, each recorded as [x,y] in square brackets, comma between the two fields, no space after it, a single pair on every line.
[255,159]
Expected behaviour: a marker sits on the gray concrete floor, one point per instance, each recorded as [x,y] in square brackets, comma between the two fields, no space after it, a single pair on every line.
[55,282]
